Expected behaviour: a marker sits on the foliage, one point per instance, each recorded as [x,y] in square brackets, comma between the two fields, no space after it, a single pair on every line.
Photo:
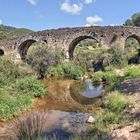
[8,69]
[42,57]
[98,76]
[16,92]
[114,57]
[117,102]
[108,76]
[11,106]
[84,53]
[8,31]
[131,72]
[134,20]
[55,71]
[29,85]
[71,70]
[68,69]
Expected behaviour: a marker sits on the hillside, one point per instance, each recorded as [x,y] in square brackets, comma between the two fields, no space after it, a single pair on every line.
[8,31]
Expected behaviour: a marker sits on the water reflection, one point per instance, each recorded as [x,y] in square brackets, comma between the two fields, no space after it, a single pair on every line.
[60,124]
[92,91]
[86,92]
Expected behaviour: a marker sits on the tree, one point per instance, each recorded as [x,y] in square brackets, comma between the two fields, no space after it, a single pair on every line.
[134,20]
[42,57]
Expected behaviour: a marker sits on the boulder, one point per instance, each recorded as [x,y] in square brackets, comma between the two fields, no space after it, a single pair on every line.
[130,86]
[91,119]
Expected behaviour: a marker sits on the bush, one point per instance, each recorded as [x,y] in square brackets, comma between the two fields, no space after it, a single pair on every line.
[107,76]
[8,69]
[116,102]
[42,57]
[11,106]
[98,76]
[115,57]
[55,71]
[131,72]
[68,69]
[71,70]
[29,85]
[110,77]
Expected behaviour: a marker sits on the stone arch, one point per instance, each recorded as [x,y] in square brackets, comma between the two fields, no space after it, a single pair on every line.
[133,36]
[24,46]
[75,41]
[134,59]
[1,52]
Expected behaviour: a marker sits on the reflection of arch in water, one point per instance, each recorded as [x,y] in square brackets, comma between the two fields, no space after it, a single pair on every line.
[75,41]
[76,91]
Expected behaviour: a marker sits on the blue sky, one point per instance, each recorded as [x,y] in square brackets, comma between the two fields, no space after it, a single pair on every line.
[48,14]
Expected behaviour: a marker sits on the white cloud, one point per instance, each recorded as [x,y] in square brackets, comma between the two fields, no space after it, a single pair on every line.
[88,25]
[0,21]
[113,24]
[74,8]
[93,20]
[33,2]
[88,1]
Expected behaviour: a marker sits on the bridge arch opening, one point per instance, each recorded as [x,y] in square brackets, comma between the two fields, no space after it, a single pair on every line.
[23,48]
[82,50]
[26,47]
[132,49]
[1,52]
[82,43]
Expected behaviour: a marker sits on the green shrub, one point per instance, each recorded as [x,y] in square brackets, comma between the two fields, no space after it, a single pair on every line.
[55,71]
[29,85]
[116,102]
[68,69]
[11,106]
[131,72]
[8,69]
[110,76]
[72,70]
[98,76]
[3,81]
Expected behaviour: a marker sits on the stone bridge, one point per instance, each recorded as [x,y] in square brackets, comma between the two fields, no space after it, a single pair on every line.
[68,38]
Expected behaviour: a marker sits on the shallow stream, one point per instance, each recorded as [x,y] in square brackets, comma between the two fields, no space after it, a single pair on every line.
[64,111]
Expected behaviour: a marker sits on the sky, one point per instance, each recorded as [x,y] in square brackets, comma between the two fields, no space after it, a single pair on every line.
[51,14]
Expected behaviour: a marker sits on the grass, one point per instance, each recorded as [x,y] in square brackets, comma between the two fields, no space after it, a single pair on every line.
[67,69]
[33,126]
[17,91]
[110,114]
[29,85]
[11,106]
[116,102]
[113,79]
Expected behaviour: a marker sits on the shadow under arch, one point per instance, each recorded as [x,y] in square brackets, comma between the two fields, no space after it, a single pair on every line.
[133,36]
[1,52]
[23,48]
[132,44]
[75,41]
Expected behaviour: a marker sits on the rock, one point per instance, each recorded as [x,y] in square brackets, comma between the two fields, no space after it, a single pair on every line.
[130,86]
[126,133]
[119,72]
[91,119]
